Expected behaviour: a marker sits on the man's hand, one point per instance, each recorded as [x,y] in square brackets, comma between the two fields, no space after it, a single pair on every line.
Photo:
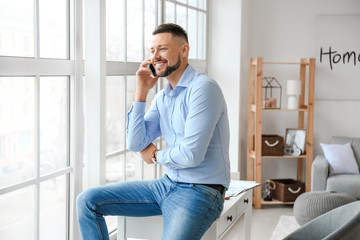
[147,153]
[144,81]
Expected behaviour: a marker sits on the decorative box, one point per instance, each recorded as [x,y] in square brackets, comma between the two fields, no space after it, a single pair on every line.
[286,190]
[272,145]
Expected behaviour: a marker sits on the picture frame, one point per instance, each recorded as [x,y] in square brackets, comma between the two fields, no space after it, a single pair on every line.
[295,141]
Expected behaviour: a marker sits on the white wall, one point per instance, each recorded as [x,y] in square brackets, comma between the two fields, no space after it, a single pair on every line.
[224,62]
[277,30]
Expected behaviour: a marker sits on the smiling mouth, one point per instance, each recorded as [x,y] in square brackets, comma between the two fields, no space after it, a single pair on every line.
[159,63]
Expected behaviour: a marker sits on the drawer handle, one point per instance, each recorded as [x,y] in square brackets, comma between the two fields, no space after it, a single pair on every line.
[229,218]
[246,200]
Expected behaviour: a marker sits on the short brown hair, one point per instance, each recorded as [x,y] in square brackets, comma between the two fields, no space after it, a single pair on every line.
[174,29]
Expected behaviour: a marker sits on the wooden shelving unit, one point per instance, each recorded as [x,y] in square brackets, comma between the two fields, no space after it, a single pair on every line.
[255,109]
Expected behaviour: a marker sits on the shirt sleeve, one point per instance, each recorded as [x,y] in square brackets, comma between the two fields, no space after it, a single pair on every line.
[206,105]
[142,129]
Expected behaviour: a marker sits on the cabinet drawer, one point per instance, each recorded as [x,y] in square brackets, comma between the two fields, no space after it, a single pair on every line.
[243,203]
[226,219]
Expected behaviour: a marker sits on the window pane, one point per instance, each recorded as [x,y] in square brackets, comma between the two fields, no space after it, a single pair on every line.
[53,123]
[193,3]
[17,28]
[201,36]
[115,113]
[53,29]
[192,32]
[115,169]
[115,30]
[170,12]
[53,210]
[133,162]
[17,214]
[150,18]
[111,223]
[181,16]
[17,114]
[149,171]
[202,4]
[130,91]
[134,31]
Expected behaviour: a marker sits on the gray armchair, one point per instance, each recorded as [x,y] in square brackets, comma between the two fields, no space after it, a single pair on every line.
[346,183]
[341,223]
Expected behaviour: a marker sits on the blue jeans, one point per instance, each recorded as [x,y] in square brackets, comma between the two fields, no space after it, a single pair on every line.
[188,210]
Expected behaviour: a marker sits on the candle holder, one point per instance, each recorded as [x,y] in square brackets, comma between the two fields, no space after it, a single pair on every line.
[293,90]
[272,92]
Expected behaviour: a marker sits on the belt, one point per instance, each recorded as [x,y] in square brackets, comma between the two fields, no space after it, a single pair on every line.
[220,188]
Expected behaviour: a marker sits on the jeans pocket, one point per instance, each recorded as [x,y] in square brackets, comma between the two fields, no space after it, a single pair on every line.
[206,190]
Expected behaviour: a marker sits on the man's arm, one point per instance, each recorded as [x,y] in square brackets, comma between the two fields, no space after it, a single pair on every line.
[142,129]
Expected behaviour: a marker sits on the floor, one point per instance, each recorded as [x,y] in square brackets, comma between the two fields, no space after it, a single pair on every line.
[263,223]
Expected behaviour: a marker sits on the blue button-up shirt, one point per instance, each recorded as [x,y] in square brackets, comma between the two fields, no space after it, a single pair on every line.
[192,118]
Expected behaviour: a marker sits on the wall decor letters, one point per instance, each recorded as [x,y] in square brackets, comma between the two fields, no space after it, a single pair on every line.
[334,57]
[338,57]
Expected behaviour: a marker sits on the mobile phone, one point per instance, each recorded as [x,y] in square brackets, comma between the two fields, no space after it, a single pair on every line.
[152,70]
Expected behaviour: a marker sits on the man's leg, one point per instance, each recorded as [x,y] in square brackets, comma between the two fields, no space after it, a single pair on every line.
[189,210]
[133,198]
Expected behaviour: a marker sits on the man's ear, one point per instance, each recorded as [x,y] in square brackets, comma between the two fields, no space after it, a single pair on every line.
[185,49]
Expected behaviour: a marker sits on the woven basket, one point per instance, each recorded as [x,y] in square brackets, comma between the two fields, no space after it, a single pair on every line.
[272,145]
[286,190]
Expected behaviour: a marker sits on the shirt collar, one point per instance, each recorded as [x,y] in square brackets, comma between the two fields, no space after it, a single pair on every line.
[183,82]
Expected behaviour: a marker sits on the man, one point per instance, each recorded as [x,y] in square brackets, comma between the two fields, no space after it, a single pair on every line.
[190,113]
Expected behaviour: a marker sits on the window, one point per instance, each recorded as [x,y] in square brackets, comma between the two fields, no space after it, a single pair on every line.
[37,134]
[17,28]
[53,29]
[41,103]
[192,17]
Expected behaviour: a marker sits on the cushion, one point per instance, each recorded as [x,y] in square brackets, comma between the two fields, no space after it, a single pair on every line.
[341,158]
[355,144]
[310,205]
[345,183]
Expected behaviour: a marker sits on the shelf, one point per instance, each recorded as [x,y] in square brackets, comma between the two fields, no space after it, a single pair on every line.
[252,155]
[281,63]
[304,62]
[257,114]
[301,109]
[274,202]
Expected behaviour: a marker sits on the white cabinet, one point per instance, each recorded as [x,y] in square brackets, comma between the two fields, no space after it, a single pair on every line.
[234,208]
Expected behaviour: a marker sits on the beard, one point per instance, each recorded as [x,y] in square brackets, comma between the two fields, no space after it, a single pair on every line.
[170,69]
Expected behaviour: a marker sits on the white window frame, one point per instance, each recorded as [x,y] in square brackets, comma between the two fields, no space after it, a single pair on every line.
[97,68]
[73,69]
